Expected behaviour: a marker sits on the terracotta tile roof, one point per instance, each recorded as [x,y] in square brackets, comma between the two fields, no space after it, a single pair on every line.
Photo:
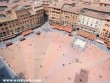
[8,18]
[68,1]
[73,9]
[32,12]
[86,34]
[22,8]
[88,0]
[98,8]
[56,5]
[61,3]
[55,26]
[3,4]
[94,14]
[105,1]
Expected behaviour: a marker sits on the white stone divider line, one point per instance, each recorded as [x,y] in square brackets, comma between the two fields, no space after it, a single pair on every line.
[64,51]
[97,62]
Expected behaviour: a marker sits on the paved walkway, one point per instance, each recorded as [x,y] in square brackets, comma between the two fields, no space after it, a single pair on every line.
[50,56]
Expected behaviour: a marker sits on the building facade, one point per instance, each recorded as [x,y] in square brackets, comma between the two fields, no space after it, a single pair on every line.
[69,15]
[54,14]
[45,5]
[91,21]
[20,19]
[105,31]
[64,14]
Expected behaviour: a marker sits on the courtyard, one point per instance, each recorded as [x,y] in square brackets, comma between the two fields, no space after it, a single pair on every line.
[51,58]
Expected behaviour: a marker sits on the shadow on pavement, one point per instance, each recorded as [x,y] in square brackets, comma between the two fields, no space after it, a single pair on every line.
[82,77]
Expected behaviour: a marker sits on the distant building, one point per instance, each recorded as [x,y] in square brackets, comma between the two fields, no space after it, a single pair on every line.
[89,18]
[104,2]
[69,15]
[20,19]
[64,14]
[105,31]
[45,5]
[92,19]
[3,5]
[54,13]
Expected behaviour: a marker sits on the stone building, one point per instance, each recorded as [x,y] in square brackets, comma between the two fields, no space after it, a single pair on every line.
[54,13]
[92,19]
[20,19]
[105,31]
[64,14]
[45,5]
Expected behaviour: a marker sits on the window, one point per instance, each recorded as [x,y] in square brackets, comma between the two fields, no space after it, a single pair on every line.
[104,29]
[108,20]
[0,34]
[1,24]
[11,31]
[4,33]
[4,24]
[96,22]
[83,18]
[6,28]
[27,25]
[2,29]
[10,26]
[22,27]
[8,33]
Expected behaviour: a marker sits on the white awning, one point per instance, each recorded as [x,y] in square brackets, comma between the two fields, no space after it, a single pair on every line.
[100,41]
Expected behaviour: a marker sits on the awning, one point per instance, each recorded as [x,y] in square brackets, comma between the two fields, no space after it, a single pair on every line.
[27,32]
[108,45]
[86,34]
[104,40]
[68,29]
[55,26]
[64,28]
[86,27]
[100,41]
